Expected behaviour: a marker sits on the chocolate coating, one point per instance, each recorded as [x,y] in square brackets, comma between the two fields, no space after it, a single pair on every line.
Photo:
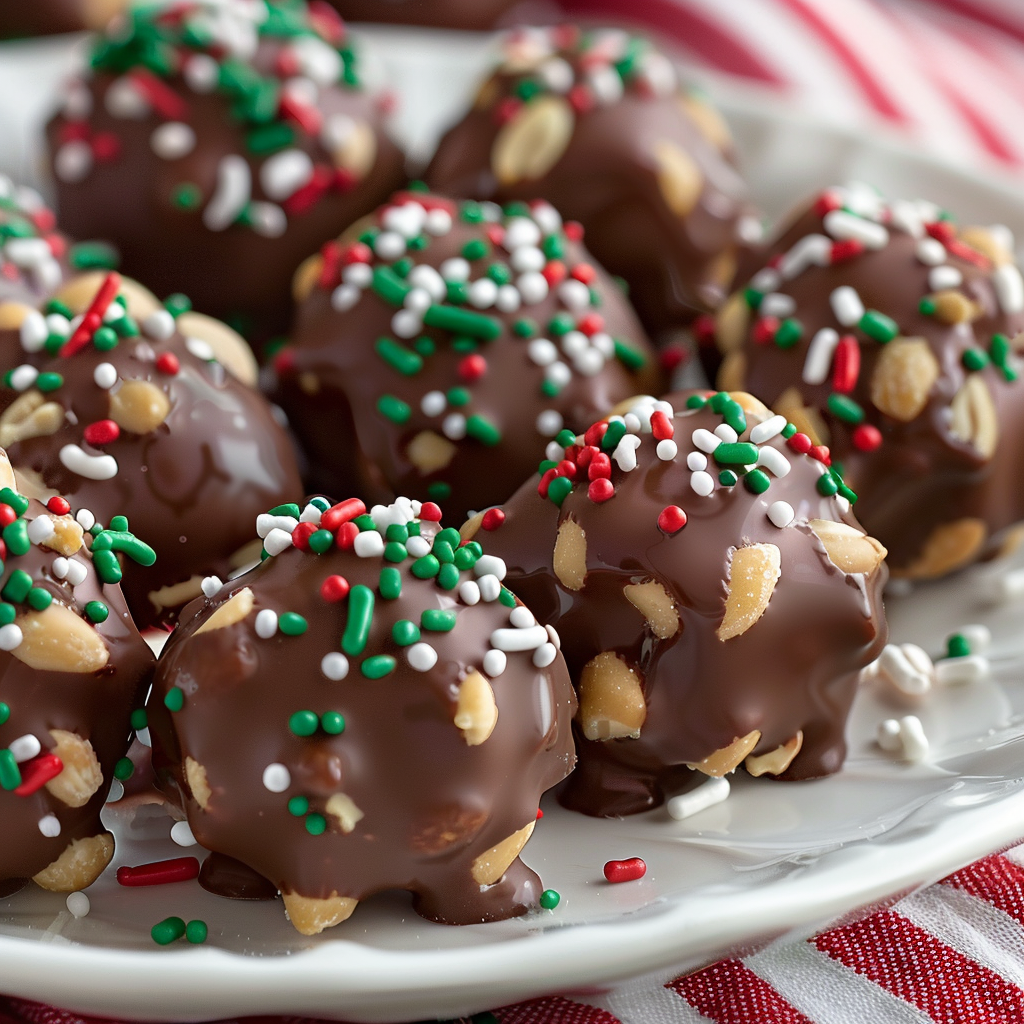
[189,458]
[94,705]
[607,135]
[418,803]
[464,14]
[477,400]
[215,178]
[703,676]
[933,441]
[51,17]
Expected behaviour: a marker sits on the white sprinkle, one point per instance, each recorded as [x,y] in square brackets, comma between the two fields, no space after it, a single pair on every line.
[200,349]
[73,161]
[407,323]
[944,277]
[369,544]
[33,331]
[469,592]
[265,522]
[454,426]
[489,565]
[774,460]
[234,187]
[604,343]
[418,300]
[726,433]
[407,219]
[433,403]
[750,230]
[455,269]
[554,451]
[1009,286]
[422,657]
[574,294]
[519,639]
[527,259]
[173,140]
[211,584]
[1003,236]
[276,777]
[24,748]
[277,540]
[667,450]
[509,299]
[311,514]
[979,637]
[181,834]
[557,74]
[542,352]
[705,440]
[334,665]
[781,514]
[765,431]
[359,275]
[896,668]
[201,73]
[438,222]
[59,567]
[696,461]
[544,655]
[905,736]
[116,790]
[931,252]
[702,483]
[490,587]
[777,304]
[574,343]
[344,297]
[429,280]
[589,363]
[267,219]
[842,225]
[819,356]
[417,546]
[905,216]
[158,325]
[92,467]
[78,905]
[549,423]
[533,288]
[888,735]
[85,519]
[766,280]
[105,375]
[1008,586]
[77,572]
[58,324]
[554,638]
[266,623]
[710,792]
[957,671]
[27,253]
[49,826]
[520,231]
[389,245]
[846,306]
[558,373]
[521,617]
[548,219]
[483,293]
[41,528]
[495,663]
[811,251]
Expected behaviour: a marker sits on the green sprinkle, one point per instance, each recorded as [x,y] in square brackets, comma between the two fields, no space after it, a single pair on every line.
[8,613]
[734,416]
[17,501]
[405,632]
[39,599]
[827,485]
[844,408]
[124,769]
[425,346]
[107,566]
[298,806]
[96,611]
[175,699]
[630,358]
[169,930]
[10,773]
[304,723]
[177,304]
[448,577]
[757,481]
[442,551]
[975,359]
[365,523]
[288,509]
[958,646]
[360,617]
[549,899]
[378,666]
[187,196]
[727,478]
[18,584]
[49,381]
[499,273]
[394,409]
[332,723]
[5,713]
[119,524]
[788,431]
[390,584]
[56,306]
[439,491]
[507,598]
[458,292]
[436,620]
[292,624]
[927,306]
[475,249]
[394,552]
[524,328]
[789,333]
[458,397]
[753,297]
[553,248]
[93,256]
[475,548]
[120,540]
[462,321]
[321,541]
[321,503]
[471,212]
[397,532]
[740,453]
[527,89]
[196,932]
[316,824]
[613,435]
[426,568]
[559,489]
[879,326]
[140,720]
[464,559]
[105,339]
[561,324]
[549,389]
[389,286]
[270,138]
[16,537]
[696,402]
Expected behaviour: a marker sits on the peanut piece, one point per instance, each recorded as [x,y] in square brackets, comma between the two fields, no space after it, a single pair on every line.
[97,14]
[953,307]
[732,322]
[198,784]
[476,713]
[79,865]
[309,382]
[358,152]
[306,277]
[489,867]
[236,608]
[31,484]
[948,547]
[79,292]
[311,916]
[733,372]
[429,452]
[58,640]
[755,409]
[139,406]
[29,416]
[569,559]
[533,141]
[974,416]
[754,571]
[679,177]
[67,536]
[612,704]
[471,527]
[727,759]
[12,315]
[229,347]
[776,761]
[721,271]
[903,378]
[7,477]
[847,548]
[708,120]
[175,594]
[82,776]
[805,418]
[984,241]
[343,808]
[655,604]
[247,556]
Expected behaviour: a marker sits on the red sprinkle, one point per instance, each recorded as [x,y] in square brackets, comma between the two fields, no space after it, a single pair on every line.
[58,245]
[334,588]
[7,515]
[343,512]
[37,773]
[545,482]
[625,870]
[327,21]
[826,203]
[472,367]
[566,468]
[302,533]
[58,506]
[330,272]
[585,454]
[591,324]
[573,230]
[599,467]
[554,271]
[581,98]
[495,234]
[594,433]
[346,536]
[672,356]
[429,512]
[671,519]
[540,814]
[600,490]
[942,230]
[167,362]
[704,330]
[846,250]
[164,100]
[284,362]
[106,146]
[303,199]
[309,119]
[507,109]
[161,872]
[968,254]
[73,131]
[493,519]
[584,272]
[846,364]
[93,318]
[821,453]
[866,438]
[800,443]
[661,426]
[357,252]
[101,432]
[765,329]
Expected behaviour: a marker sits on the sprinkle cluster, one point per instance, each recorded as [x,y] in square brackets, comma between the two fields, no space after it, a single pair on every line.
[210,46]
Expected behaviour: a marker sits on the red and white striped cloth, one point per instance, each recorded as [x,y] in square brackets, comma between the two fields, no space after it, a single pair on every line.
[950,73]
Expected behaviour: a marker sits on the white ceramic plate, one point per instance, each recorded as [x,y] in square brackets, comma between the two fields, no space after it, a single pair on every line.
[774,859]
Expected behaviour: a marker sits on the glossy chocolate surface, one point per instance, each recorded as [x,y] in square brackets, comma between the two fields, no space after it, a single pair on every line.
[465,14]
[423,803]
[795,668]
[607,135]
[954,456]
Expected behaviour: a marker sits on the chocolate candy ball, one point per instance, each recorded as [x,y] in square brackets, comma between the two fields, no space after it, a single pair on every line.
[137,417]
[714,592]
[72,669]
[217,145]
[597,123]
[48,17]
[885,332]
[463,14]
[369,709]
[439,346]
